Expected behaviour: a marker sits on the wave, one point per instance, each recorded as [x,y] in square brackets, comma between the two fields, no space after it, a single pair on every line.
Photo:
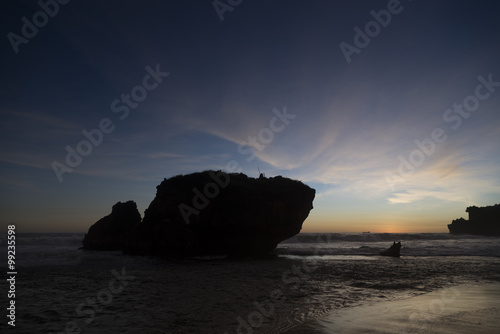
[307,244]
[46,239]
[75,239]
[414,244]
[374,237]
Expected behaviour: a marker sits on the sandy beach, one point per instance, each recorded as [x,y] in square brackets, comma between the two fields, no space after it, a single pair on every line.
[460,309]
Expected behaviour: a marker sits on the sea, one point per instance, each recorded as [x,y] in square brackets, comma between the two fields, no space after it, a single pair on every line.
[60,288]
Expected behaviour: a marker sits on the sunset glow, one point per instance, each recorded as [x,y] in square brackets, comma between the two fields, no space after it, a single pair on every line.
[401,136]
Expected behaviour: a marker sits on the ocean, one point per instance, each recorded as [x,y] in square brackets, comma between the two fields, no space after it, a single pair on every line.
[310,280]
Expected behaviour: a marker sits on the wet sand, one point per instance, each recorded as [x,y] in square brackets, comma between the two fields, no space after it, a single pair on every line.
[219,296]
[460,309]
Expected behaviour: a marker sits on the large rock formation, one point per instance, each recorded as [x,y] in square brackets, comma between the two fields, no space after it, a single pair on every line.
[482,221]
[108,233]
[218,213]
[207,213]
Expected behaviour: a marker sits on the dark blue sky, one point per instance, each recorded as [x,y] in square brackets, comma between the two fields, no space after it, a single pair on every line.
[352,127]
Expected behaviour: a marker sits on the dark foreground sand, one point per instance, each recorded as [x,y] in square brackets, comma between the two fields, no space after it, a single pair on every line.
[347,294]
[460,309]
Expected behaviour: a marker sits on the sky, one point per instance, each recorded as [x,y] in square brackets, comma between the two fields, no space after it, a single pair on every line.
[389,109]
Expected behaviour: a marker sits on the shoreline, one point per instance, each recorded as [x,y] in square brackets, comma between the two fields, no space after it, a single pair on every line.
[458,309]
[276,295]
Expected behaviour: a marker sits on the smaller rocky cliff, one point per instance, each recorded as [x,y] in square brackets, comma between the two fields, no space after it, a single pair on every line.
[108,233]
[482,221]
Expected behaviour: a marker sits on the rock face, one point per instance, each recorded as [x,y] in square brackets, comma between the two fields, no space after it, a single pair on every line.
[482,221]
[218,213]
[108,233]
[393,251]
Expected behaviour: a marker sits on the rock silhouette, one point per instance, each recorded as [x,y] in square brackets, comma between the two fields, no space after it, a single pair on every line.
[108,233]
[482,221]
[215,213]
[393,251]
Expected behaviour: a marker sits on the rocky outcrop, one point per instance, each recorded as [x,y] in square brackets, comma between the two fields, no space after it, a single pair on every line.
[108,233]
[218,213]
[482,221]
[393,251]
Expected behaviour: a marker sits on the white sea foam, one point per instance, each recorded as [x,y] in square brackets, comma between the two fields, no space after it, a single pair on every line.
[62,248]
[414,244]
